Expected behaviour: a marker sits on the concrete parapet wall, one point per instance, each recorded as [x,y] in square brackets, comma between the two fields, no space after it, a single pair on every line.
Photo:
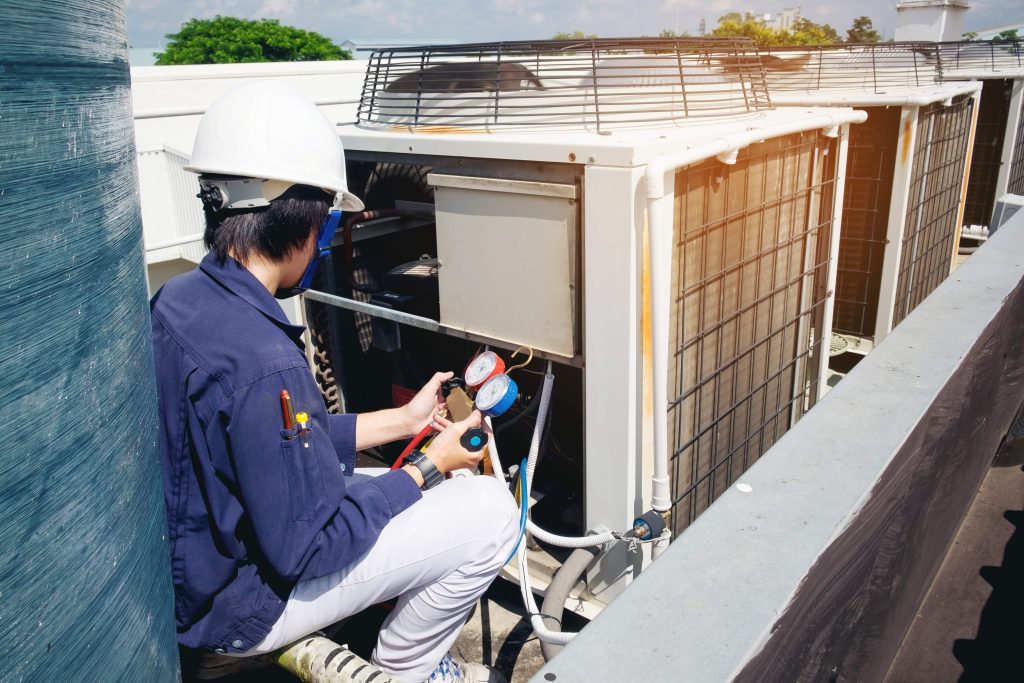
[812,566]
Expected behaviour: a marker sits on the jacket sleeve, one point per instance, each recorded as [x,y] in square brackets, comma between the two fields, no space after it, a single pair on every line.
[343,435]
[304,520]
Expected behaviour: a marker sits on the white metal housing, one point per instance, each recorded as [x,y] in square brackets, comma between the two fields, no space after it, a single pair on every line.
[626,201]
[1007,206]
[1000,66]
[885,229]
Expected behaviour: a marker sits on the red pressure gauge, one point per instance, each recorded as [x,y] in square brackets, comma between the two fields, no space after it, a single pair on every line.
[482,368]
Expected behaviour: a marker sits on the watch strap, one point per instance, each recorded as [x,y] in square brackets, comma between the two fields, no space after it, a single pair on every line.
[431,475]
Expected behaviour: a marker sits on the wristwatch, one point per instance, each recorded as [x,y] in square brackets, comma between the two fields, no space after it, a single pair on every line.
[431,475]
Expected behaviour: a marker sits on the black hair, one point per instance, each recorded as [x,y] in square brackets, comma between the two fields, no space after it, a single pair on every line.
[270,232]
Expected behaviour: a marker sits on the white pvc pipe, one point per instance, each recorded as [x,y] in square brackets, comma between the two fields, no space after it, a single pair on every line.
[199,110]
[548,636]
[542,534]
[492,451]
[531,463]
[176,242]
[542,631]
[569,541]
[538,429]
[659,225]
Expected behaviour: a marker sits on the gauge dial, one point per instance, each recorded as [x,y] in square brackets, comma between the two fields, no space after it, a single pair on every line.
[496,395]
[482,368]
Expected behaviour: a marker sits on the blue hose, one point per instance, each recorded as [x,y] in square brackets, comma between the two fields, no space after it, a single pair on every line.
[524,499]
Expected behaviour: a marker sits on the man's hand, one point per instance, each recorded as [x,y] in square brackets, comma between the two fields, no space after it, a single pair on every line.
[446,451]
[423,409]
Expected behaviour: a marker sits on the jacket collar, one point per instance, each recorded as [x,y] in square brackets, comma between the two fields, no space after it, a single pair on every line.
[234,277]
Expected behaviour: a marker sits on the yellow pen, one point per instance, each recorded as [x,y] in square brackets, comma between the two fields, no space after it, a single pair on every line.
[303,421]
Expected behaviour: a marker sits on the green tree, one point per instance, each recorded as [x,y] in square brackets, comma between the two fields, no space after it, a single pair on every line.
[970,35]
[728,26]
[227,40]
[1008,35]
[575,35]
[862,31]
[734,17]
[804,31]
[669,33]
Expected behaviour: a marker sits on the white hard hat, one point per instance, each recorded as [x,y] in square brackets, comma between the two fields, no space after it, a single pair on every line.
[267,130]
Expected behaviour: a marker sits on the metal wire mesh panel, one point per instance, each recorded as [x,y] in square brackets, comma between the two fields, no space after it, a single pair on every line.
[986,157]
[869,174]
[1015,184]
[870,68]
[931,229]
[562,82]
[751,259]
[980,55]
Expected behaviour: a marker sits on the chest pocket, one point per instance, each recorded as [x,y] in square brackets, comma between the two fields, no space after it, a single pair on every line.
[305,480]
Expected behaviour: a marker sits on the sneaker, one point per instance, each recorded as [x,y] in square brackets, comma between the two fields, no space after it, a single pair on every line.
[451,670]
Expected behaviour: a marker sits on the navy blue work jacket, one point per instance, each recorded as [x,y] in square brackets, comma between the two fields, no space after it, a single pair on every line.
[251,508]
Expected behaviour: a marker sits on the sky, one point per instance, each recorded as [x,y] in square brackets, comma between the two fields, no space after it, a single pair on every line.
[488,20]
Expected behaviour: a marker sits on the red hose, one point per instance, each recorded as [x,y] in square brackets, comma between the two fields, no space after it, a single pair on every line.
[424,433]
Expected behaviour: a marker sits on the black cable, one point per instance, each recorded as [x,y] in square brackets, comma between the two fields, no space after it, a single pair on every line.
[544,616]
[545,437]
[532,406]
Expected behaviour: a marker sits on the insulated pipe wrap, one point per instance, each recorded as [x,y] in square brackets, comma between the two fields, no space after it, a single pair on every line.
[567,576]
[85,589]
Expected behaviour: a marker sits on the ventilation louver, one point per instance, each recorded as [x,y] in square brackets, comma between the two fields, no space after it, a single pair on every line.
[587,84]
[751,259]
[931,227]
[1015,185]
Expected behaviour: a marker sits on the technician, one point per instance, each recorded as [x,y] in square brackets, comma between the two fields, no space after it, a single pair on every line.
[270,538]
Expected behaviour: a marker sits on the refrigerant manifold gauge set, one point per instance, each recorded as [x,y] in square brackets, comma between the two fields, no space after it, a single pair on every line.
[495,390]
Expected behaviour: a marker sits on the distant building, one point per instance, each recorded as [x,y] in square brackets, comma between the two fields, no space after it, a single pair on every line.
[990,33]
[784,20]
[931,20]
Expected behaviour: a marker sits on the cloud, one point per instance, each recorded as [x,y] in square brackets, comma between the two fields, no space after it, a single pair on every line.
[529,11]
[476,20]
[673,5]
[277,8]
[368,8]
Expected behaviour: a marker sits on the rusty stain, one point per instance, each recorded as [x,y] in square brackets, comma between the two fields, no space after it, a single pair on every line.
[572,156]
[438,130]
[647,345]
[905,151]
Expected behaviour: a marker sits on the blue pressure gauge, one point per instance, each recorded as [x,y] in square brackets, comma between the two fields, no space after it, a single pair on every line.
[496,395]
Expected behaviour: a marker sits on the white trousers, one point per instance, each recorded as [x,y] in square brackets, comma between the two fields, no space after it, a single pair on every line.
[438,557]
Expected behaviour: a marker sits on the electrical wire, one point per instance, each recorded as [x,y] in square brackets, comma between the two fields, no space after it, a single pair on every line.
[520,416]
[524,504]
